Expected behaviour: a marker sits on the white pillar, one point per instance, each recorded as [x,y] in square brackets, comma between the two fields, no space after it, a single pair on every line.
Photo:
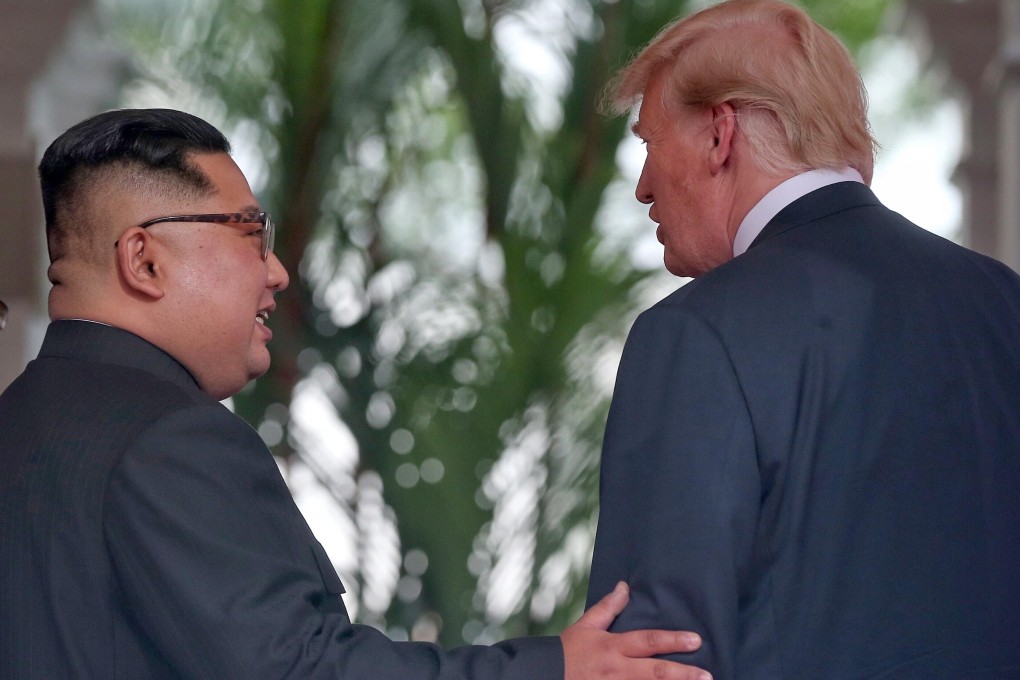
[967,36]
[56,69]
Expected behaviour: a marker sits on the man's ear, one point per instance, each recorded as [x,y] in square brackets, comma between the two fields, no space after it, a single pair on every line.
[724,128]
[139,264]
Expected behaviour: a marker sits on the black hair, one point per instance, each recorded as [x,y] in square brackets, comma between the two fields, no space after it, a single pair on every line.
[154,139]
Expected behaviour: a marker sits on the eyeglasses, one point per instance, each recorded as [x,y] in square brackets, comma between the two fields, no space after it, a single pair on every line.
[267,234]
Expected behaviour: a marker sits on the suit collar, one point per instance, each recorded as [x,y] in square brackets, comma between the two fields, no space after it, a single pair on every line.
[782,195]
[90,341]
[816,205]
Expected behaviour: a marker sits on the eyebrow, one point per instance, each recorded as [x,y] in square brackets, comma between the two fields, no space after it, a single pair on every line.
[641,131]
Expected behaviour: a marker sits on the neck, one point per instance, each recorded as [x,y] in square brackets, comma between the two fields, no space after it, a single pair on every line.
[747,193]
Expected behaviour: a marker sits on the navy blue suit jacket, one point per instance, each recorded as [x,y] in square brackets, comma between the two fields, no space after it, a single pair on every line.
[813,455]
[145,532]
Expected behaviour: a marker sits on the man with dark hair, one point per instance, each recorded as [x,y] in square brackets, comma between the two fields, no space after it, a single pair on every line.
[813,453]
[145,531]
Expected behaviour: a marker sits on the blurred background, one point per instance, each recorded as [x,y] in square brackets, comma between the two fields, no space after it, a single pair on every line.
[465,249]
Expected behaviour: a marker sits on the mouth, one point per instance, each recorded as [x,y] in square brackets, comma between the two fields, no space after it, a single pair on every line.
[262,316]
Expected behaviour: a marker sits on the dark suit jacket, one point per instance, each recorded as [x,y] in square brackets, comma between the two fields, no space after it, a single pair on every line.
[145,532]
[813,455]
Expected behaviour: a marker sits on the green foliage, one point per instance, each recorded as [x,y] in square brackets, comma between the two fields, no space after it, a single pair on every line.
[455,300]
[856,22]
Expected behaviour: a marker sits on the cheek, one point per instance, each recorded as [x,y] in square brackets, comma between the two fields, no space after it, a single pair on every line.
[680,208]
[217,296]
[193,293]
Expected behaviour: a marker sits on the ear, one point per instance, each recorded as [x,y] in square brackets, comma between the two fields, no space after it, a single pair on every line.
[723,127]
[139,264]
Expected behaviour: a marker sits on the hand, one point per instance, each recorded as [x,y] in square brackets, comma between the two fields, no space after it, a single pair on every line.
[591,653]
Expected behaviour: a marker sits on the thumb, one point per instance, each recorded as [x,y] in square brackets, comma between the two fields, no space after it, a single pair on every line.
[604,612]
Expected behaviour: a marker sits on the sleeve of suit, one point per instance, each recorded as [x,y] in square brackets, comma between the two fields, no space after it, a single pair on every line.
[680,489]
[222,575]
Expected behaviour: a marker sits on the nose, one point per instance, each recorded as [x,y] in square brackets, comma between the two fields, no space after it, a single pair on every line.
[643,192]
[278,278]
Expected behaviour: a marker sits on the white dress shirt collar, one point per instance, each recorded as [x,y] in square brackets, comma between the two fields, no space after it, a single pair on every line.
[782,196]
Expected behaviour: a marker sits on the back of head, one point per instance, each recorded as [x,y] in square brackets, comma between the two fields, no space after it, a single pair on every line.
[145,151]
[797,94]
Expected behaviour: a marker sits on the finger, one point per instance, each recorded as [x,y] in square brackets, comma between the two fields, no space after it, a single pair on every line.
[604,612]
[641,643]
[660,669]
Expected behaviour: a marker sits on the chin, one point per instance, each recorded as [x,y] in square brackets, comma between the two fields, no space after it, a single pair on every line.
[257,371]
[679,269]
[691,268]
[225,387]
[258,360]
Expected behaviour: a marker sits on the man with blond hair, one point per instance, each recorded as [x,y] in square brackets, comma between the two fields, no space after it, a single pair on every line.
[813,452]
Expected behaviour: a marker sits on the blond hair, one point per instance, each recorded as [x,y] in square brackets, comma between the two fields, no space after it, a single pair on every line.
[799,98]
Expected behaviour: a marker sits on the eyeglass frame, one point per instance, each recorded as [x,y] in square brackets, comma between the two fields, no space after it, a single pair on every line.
[267,233]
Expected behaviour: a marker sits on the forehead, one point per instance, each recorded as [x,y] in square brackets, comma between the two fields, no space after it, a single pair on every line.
[657,120]
[653,114]
[226,179]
